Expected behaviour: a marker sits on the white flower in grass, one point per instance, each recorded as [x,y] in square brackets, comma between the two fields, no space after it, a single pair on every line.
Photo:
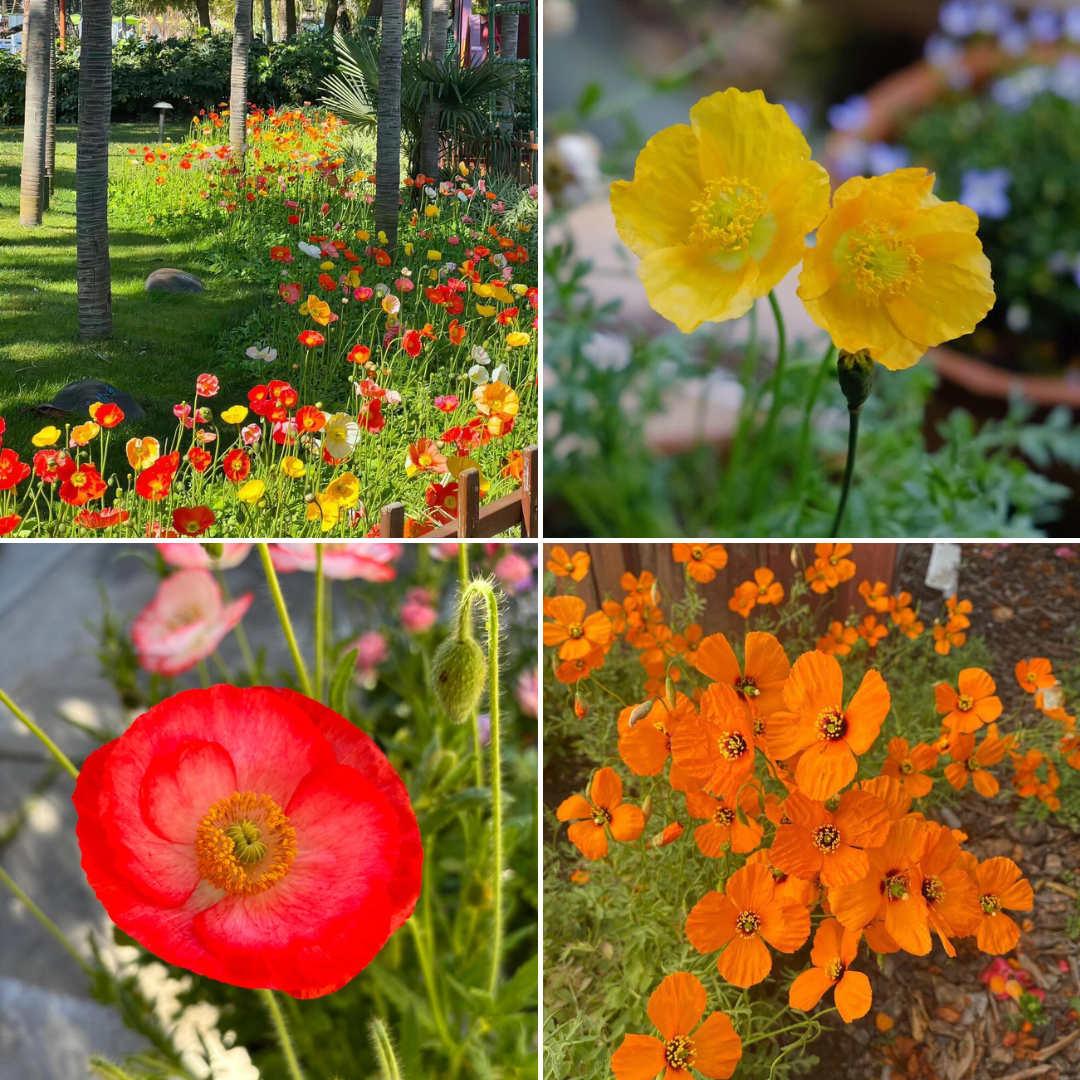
[479,355]
[500,375]
[268,355]
[341,435]
[392,397]
[479,374]
[310,249]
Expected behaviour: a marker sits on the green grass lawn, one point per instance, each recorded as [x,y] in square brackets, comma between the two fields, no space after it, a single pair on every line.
[160,343]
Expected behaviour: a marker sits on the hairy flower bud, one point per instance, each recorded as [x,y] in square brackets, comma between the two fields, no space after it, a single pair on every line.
[457,676]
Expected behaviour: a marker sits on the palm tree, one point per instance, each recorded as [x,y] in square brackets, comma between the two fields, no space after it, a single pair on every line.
[268,21]
[330,18]
[508,50]
[436,53]
[425,26]
[202,7]
[290,18]
[36,56]
[238,84]
[50,112]
[92,171]
[388,138]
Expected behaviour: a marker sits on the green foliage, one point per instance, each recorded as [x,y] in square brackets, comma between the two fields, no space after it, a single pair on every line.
[603,480]
[1033,250]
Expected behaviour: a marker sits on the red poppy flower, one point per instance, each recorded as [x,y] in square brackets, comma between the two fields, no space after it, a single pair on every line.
[456,332]
[80,485]
[200,459]
[236,465]
[310,338]
[358,354]
[101,519]
[289,293]
[12,470]
[447,403]
[192,520]
[9,524]
[294,219]
[106,414]
[370,417]
[411,343]
[250,835]
[283,393]
[280,254]
[381,258]
[442,501]
[154,483]
[47,464]
[308,418]
[362,293]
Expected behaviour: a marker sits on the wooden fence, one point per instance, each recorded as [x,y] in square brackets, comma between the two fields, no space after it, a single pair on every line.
[876,562]
[517,508]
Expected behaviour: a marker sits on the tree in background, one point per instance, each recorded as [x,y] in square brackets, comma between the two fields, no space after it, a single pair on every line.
[238,84]
[330,17]
[290,18]
[93,272]
[436,53]
[508,50]
[388,139]
[268,21]
[36,57]
[50,111]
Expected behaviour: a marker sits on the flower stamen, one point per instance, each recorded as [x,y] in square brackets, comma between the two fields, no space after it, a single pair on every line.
[245,844]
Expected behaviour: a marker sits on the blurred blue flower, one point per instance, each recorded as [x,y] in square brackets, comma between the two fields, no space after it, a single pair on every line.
[986,191]
[1071,29]
[1013,39]
[882,158]
[1065,78]
[850,115]
[1044,25]
[947,56]
[798,112]
[960,18]
[993,16]
[850,159]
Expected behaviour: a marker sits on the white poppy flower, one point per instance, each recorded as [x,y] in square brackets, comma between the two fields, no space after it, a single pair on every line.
[479,375]
[479,355]
[269,355]
[310,249]
[499,375]
[341,435]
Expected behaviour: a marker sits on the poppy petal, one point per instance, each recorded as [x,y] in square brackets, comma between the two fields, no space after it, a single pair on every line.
[640,1057]
[676,1005]
[717,1046]
[853,996]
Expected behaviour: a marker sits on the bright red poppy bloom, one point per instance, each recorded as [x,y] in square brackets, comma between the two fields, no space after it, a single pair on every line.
[250,835]
[154,483]
[207,385]
[199,458]
[101,519]
[192,520]
[47,464]
[106,414]
[12,470]
[310,338]
[456,332]
[308,418]
[9,524]
[236,465]
[80,485]
[411,343]
[358,354]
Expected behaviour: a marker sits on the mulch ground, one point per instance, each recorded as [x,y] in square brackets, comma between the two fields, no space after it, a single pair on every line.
[947,1026]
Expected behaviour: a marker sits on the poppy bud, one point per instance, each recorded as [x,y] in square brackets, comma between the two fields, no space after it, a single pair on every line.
[581,707]
[669,693]
[457,675]
[855,373]
[646,808]
[639,712]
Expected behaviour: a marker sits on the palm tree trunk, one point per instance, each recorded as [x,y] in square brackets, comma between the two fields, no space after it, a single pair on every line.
[238,84]
[290,18]
[36,57]
[429,123]
[268,21]
[50,113]
[508,50]
[425,26]
[93,273]
[388,138]
[330,18]
[203,8]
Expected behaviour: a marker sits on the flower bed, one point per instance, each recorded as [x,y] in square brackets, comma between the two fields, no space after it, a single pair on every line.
[372,379]
[813,763]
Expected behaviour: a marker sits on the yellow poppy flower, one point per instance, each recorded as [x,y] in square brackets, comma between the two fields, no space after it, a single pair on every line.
[47,436]
[896,270]
[326,265]
[482,290]
[434,255]
[142,453]
[344,490]
[487,310]
[719,209]
[324,509]
[503,295]
[517,339]
[235,414]
[251,492]
[410,247]
[293,467]
[431,211]
[496,399]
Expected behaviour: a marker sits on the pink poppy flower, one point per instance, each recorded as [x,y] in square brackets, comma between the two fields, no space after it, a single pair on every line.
[195,557]
[184,623]
[251,434]
[417,613]
[362,292]
[447,402]
[207,385]
[514,571]
[372,650]
[342,562]
[527,693]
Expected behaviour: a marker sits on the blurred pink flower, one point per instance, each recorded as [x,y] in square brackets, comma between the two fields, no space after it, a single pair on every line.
[514,571]
[1065,553]
[527,692]
[417,613]
[444,552]
[186,555]
[373,651]
[341,562]
[184,623]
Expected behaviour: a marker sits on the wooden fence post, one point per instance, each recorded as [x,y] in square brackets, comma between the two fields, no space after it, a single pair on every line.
[392,521]
[530,492]
[469,503]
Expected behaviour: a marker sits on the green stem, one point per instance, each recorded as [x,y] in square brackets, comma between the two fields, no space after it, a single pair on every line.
[802,462]
[428,968]
[463,569]
[601,686]
[320,619]
[52,747]
[45,921]
[778,373]
[282,1031]
[849,469]
[794,1027]
[283,615]
[384,1050]
[480,588]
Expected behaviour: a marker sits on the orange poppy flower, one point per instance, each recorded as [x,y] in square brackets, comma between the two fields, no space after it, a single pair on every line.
[834,950]
[675,1007]
[768,589]
[950,636]
[574,633]
[835,556]
[896,797]
[741,920]
[969,762]
[952,903]
[908,766]
[617,614]
[1033,675]
[912,629]
[744,599]
[645,745]
[668,835]
[1000,883]
[828,845]
[839,639]
[788,887]
[575,566]
[702,560]
[572,671]
[892,890]
[760,683]
[872,631]
[723,831]
[717,747]
[975,704]
[601,812]
[642,590]
[817,723]
[876,596]
[959,610]
[820,576]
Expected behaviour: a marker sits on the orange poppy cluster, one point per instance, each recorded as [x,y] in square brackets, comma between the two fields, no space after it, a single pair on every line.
[767,759]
